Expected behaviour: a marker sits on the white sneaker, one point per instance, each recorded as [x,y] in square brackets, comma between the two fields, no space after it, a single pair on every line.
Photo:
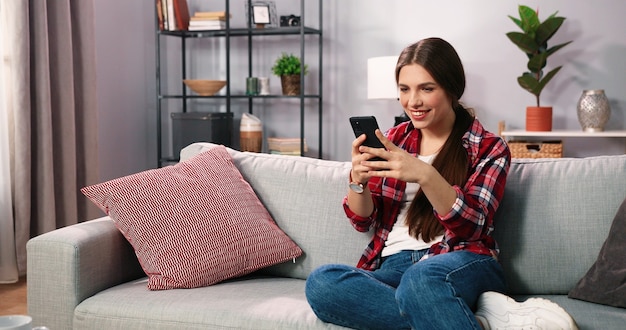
[497,311]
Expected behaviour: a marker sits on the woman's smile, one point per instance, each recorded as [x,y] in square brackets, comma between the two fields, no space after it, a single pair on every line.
[419,114]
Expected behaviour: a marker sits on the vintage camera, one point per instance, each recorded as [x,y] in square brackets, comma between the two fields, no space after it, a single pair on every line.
[290,20]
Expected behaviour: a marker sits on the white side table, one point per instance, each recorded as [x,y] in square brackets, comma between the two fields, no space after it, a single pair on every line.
[561,134]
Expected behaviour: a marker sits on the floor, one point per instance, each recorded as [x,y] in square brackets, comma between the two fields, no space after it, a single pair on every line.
[13,298]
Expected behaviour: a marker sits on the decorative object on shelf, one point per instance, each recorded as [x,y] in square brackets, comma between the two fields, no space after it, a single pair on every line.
[205,87]
[264,86]
[543,149]
[381,81]
[289,68]
[533,41]
[290,20]
[250,133]
[260,15]
[538,118]
[252,86]
[263,14]
[190,127]
[290,84]
[593,110]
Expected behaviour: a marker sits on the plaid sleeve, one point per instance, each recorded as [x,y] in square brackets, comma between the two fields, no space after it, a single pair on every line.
[471,217]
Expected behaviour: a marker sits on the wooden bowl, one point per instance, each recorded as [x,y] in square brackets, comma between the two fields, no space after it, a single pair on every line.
[205,87]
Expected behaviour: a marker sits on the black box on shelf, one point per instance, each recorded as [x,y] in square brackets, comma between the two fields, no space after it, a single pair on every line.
[190,127]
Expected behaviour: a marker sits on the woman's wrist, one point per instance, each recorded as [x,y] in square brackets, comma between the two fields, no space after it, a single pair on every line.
[352,179]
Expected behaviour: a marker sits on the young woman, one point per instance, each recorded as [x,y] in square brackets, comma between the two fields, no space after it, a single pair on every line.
[431,203]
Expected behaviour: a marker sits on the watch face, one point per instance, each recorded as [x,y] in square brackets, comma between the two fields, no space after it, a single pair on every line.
[356,187]
[261,14]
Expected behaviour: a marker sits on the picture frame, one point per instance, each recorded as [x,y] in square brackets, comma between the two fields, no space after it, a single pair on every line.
[261,14]
[256,12]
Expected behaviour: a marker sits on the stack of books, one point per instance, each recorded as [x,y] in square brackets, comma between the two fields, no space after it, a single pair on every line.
[173,15]
[285,146]
[208,20]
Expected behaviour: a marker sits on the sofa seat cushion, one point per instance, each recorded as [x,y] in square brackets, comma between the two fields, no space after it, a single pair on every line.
[246,303]
[588,316]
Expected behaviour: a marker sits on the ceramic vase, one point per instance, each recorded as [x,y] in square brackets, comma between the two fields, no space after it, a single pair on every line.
[593,110]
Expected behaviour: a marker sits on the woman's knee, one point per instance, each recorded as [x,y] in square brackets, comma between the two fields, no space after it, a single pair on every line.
[322,281]
[420,278]
[456,274]
[325,290]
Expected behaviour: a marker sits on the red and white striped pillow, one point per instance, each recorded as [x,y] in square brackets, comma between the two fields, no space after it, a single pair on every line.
[195,223]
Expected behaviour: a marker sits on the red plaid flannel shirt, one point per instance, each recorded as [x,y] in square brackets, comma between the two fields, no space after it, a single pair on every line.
[469,224]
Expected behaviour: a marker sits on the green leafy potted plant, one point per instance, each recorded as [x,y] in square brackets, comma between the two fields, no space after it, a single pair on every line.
[289,68]
[533,41]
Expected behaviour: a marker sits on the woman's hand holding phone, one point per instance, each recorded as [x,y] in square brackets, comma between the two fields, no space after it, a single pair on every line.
[364,146]
[367,125]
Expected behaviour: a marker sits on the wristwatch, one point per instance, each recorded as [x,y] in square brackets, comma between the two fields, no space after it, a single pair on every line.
[357,187]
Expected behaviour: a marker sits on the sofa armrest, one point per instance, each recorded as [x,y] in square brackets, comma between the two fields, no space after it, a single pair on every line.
[70,264]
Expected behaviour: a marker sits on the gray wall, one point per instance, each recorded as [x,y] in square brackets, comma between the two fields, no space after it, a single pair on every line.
[126,87]
[355,30]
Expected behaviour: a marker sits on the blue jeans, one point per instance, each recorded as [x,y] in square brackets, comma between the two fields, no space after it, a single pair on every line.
[437,293]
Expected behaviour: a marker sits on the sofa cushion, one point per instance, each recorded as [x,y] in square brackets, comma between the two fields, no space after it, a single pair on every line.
[587,316]
[247,303]
[195,223]
[605,282]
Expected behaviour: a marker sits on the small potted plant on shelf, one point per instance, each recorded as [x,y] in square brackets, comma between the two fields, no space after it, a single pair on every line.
[533,41]
[289,68]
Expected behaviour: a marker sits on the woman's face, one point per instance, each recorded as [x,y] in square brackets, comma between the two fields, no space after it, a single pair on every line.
[425,102]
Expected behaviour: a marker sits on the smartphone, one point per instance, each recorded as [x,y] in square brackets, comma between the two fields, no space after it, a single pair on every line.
[367,125]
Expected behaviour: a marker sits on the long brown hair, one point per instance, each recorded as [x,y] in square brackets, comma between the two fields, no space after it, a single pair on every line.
[442,62]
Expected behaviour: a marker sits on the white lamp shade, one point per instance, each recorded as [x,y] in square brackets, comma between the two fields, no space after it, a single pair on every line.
[381,77]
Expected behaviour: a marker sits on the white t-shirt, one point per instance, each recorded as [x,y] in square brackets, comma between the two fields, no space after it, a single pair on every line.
[399,238]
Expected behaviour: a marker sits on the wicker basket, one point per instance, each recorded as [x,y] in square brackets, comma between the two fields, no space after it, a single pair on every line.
[536,149]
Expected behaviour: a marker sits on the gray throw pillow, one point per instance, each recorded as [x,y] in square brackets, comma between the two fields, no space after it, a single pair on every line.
[605,282]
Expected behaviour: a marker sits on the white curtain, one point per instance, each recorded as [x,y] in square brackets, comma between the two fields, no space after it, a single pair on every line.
[8,262]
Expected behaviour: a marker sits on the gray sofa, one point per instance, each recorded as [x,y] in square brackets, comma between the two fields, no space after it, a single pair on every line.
[555,215]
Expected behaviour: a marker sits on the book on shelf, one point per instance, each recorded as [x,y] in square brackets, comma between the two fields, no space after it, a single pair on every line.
[285,146]
[165,15]
[172,15]
[198,26]
[287,153]
[212,15]
[159,12]
[207,21]
[181,11]
[208,24]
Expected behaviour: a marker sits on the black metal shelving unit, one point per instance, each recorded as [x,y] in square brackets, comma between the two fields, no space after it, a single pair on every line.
[249,33]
